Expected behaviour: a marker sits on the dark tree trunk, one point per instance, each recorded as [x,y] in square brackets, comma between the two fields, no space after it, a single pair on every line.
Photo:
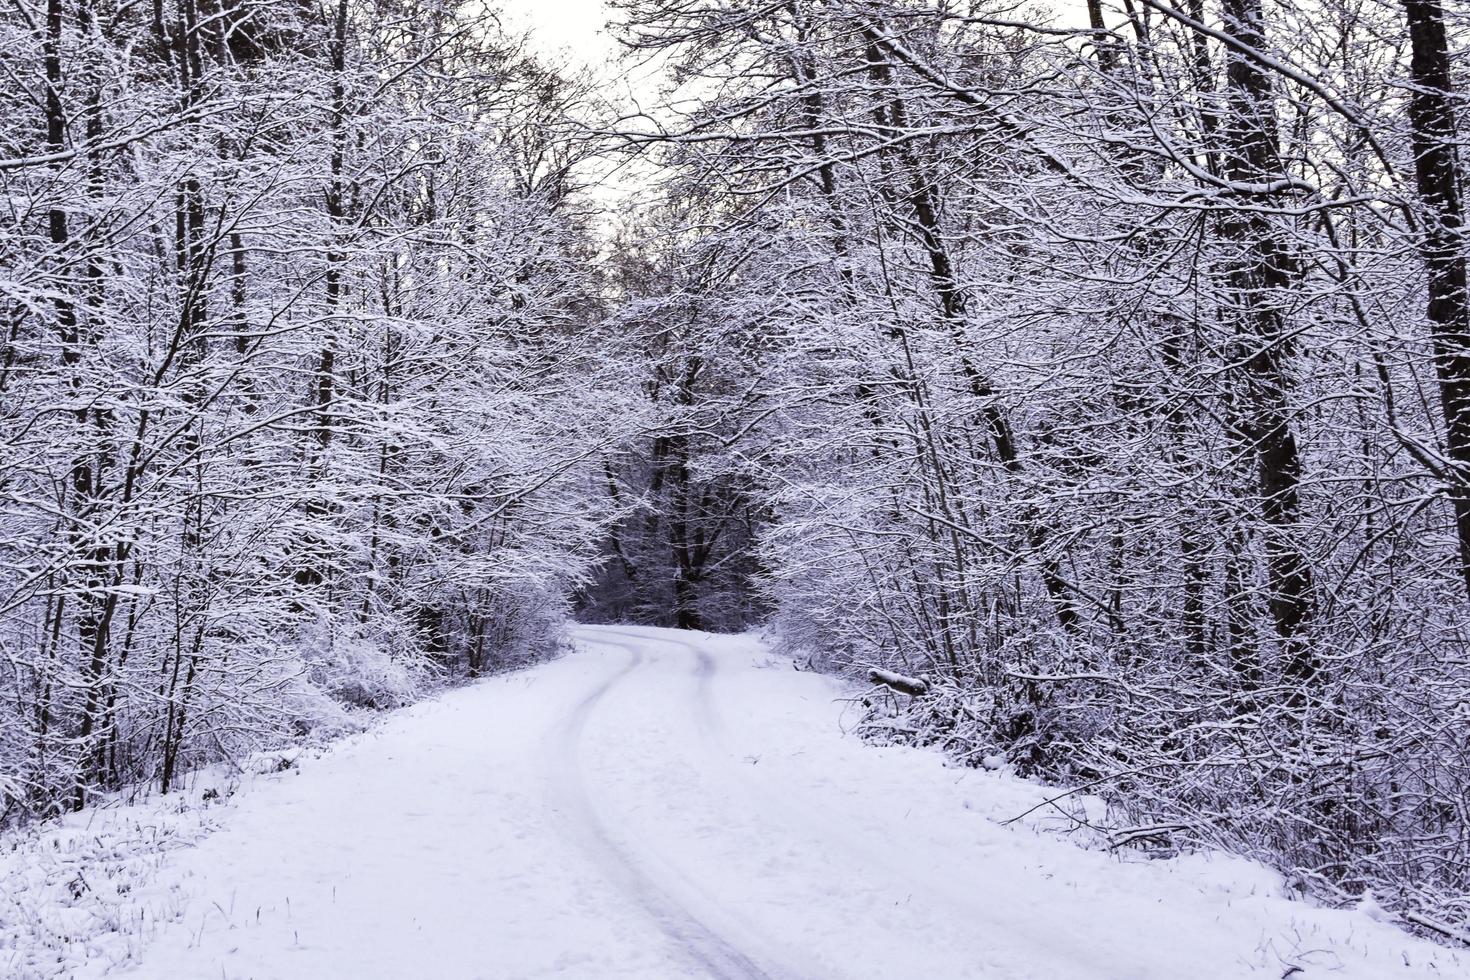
[1260,272]
[925,202]
[1442,246]
[336,213]
[313,568]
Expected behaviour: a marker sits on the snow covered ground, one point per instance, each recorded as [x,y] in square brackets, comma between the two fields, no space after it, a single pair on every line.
[658,804]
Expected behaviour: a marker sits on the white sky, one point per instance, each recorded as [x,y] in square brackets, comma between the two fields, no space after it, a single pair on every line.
[571,27]
[574,33]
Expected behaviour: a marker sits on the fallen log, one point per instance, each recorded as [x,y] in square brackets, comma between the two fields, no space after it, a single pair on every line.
[912,686]
[1437,926]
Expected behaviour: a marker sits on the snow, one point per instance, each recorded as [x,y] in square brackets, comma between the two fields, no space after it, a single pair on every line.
[662,804]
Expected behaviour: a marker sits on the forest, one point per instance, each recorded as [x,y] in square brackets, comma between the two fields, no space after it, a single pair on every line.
[1097,372]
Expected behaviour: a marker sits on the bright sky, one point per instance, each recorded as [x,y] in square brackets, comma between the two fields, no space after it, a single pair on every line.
[575,27]
[574,33]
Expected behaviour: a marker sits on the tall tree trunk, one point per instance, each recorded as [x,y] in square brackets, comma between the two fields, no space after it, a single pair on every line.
[336,213]
[313,566]
[924,200]
[96,605]
[1259,273]
[1438,176]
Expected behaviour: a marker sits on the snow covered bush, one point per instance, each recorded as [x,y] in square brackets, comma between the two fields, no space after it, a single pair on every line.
[359,671]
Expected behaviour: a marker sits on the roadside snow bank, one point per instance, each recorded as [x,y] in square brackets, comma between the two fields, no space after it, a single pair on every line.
[71,887]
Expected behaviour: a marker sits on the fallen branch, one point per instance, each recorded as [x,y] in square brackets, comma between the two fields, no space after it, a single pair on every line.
[912,686]
[1444,930]
[1131,835]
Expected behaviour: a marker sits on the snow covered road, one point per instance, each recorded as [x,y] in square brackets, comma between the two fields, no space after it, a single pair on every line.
[663,804]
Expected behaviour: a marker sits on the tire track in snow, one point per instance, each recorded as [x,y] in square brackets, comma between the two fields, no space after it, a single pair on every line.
[698,942]
[810,817]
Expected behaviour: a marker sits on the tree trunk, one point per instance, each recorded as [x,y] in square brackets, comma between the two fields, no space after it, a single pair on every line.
[1259,274]
[1441,244]
[925,203]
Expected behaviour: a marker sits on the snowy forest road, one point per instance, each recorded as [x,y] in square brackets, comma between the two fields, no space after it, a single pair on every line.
[664,805]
